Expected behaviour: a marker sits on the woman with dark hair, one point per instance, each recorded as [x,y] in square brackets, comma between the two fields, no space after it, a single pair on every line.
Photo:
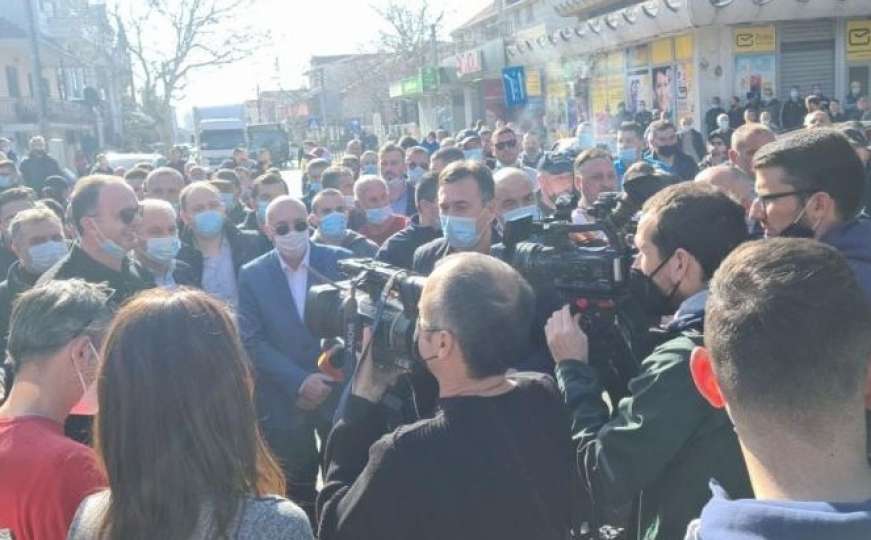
[177,433]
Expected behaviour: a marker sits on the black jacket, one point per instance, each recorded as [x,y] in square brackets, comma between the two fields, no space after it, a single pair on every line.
[17,281]
[426,256]
[399,249]
[244,245]
[792,115]
[36,168]
[684,167]
[132,278]
[237,215]
[711,118]
[697,140]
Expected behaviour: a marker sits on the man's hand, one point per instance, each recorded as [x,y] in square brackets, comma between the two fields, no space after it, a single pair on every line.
[372,380]
[565,339]
[313,391]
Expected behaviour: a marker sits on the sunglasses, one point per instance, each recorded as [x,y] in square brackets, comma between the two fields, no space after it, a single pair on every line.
[283,228]
[127,215]
[505,144]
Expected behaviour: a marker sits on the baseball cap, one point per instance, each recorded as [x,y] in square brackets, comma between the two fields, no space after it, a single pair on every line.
[557,162]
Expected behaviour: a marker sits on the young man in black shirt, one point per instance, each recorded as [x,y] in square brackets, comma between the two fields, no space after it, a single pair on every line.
[424,227]
[494,462]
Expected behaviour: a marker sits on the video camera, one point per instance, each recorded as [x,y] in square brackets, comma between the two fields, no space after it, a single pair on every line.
[377,295]
[617,210]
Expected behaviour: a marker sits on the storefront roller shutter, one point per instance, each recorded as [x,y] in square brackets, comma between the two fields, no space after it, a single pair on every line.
[807,56]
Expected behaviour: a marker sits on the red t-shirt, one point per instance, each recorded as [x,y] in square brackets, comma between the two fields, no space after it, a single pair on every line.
[395,224]
[43,478]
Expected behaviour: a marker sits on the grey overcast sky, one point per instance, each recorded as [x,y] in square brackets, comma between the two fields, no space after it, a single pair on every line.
[300,29]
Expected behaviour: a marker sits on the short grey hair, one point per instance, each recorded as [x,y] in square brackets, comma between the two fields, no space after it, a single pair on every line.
[163,171]
[504,174]
[46,318]
[363,183]
[34,215]
[159,205]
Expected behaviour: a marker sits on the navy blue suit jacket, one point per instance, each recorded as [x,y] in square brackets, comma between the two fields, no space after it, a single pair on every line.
[282,350]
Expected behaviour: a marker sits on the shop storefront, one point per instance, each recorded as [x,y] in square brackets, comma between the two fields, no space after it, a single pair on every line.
[857,45]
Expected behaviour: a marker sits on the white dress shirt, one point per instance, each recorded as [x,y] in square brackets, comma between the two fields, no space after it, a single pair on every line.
[297,281]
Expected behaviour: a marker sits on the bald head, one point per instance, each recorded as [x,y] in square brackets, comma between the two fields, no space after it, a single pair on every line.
[731,180]
[284,205]
[746,141]
[514,189]
[817,119]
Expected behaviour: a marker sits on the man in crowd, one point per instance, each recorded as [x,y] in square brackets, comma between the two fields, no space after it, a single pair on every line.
[198,174]
[746,141]
[372,197]
[751,116]
[817,118]
[594,175]
[55,333]
[368,162]
[264,189]
[496,458]
[158,246]
[718,150]
[643,116]
[736,113]
[38,165]
[6,150]
[690,140]
[466,210]
[343,179]
[9,177]
[227,182]
[444,157]
[314,169]
[770,103]
[811,184]
[507,151]
[666,154]
[793,111]
[164,183]
[176,160]
[712,115]
[515,196]
[135,178]
[105,213]
[214,248]
[732,180]
[12,201]
[352,163]
[813,103]
[630,146]
[391,159]
[663,442]
[794,381]
[293,398]
[531,154]
[723,129]
[424,226]
[555,179]
[416,164]
[329,217]
[354,147]
[836,113]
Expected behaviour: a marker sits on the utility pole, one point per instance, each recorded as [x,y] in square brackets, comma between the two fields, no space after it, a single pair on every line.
[42,104]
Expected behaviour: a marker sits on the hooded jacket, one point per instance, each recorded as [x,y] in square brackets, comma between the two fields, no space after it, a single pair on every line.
[751,519]
[853,240]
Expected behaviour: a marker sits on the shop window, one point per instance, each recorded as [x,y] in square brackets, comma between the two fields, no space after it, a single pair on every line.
[12,83]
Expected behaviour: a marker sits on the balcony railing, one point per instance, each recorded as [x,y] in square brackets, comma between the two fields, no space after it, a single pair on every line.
[26,111]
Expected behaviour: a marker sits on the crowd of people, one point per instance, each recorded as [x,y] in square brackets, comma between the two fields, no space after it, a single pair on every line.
[162,379]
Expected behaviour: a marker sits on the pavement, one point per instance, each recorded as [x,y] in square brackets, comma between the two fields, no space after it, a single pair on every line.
[293,179]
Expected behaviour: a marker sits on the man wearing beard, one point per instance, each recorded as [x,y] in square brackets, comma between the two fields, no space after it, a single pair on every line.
[38,165]
[811,184]
[664,442]
[666,154]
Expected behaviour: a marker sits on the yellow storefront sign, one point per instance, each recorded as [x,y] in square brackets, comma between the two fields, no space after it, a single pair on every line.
[859,40]
[533,83]
[683,47]
[662,51]
[753,39]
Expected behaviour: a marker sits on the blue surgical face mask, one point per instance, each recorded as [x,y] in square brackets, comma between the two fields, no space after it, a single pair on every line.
[460,232]
[229,201]
[415,173]
[112,249]
[333,225]
[162,249]
[378,216]
[474,154]
[261,211]
[628,155]
[5,181]
[209,223]
[369,168]
[520,213]
[43,256]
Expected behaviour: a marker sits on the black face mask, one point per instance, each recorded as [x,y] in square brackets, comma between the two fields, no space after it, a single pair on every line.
[667,151]
[796,229]
[644,290]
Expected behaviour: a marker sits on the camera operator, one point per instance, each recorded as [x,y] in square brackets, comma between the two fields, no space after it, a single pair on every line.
[466,209]
[495,462]
[663,441]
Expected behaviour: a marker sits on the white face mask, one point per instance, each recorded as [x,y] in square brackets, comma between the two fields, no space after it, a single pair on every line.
[293,244]
[88,404]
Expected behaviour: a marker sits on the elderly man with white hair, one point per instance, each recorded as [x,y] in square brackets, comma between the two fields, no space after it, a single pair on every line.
[158,244]
[294,399]
[373,197]
[515,195]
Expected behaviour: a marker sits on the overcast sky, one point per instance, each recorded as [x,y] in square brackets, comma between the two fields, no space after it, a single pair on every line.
[299,30]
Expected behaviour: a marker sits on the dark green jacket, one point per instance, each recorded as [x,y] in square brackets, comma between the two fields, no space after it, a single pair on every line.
[659,447]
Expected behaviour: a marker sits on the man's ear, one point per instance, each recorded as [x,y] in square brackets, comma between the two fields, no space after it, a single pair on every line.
[703,375]
[733,156]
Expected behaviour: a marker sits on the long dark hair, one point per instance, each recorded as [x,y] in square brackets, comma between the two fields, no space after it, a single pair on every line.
[176,430]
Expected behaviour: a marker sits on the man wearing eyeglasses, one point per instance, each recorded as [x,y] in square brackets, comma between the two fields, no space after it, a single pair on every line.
[506,148]
[105,212]
[294,400]
[810,184]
